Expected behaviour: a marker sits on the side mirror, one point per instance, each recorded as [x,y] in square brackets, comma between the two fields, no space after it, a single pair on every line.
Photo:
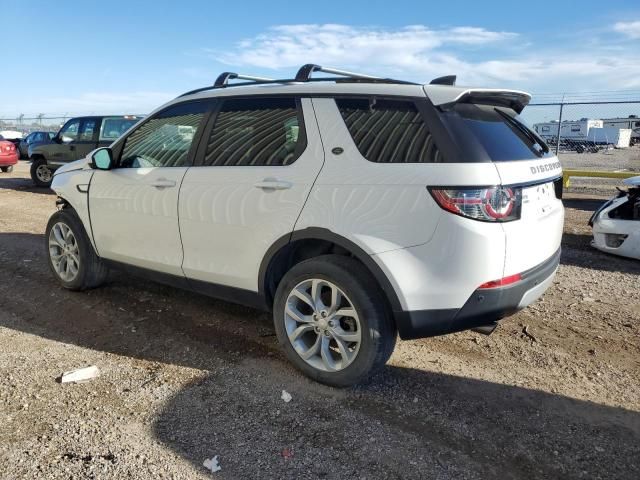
[102,159]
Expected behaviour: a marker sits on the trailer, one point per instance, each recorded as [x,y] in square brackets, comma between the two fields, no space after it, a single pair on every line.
[575,130]
[617,137]
[631,122]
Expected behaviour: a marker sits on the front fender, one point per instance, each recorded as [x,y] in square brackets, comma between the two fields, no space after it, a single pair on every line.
[73,188]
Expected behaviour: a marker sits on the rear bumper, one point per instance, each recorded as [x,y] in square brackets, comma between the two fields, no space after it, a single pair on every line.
[7,160]
[484,307]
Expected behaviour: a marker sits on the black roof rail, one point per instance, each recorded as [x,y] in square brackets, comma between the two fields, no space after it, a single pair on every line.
[223,79]
[446,80]
[303,75]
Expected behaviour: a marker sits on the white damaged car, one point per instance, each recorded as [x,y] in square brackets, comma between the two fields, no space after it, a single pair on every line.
[616,224]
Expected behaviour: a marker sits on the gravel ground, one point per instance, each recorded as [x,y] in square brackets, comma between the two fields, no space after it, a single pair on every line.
[185,377]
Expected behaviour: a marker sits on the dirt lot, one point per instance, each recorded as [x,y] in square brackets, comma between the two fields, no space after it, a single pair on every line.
[185,377]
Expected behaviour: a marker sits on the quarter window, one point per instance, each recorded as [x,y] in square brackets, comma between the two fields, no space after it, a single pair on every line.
[113,127]
[256,132]
[166,139]
[389,131]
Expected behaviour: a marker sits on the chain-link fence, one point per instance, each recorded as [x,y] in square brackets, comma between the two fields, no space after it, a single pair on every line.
[589,134]
[26,125]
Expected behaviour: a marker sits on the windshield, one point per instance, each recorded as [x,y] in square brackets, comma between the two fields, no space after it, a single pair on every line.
[486,132]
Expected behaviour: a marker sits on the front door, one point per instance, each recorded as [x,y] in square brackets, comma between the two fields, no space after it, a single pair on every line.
[134,206]
[87,139]
[63,150]
[252,177]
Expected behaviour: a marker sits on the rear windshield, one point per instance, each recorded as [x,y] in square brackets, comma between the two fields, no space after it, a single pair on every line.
[113,127]
[488,133]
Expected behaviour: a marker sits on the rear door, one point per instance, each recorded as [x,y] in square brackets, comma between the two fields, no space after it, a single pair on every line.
[253,174]
[498,134]
[134,206]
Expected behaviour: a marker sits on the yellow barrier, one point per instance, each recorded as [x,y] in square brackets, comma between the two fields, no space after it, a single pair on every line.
[567,174]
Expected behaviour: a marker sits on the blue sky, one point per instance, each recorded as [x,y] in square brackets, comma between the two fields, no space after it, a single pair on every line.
[130,56]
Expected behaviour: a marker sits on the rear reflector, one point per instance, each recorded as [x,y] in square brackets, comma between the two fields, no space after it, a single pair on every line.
[503,282]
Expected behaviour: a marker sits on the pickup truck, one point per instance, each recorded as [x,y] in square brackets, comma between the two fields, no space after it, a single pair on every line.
[76,138]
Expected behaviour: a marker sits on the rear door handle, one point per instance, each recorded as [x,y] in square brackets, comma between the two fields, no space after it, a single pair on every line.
[163,183]
[273,184]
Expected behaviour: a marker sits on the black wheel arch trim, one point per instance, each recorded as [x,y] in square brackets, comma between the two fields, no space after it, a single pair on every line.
[317,233]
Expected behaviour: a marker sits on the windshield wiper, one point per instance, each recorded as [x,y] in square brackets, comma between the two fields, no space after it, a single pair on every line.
[525,131]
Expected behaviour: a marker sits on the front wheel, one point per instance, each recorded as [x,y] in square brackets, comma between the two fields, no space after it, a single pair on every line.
[72,258]
[330,319]
[41,173]
[8,169]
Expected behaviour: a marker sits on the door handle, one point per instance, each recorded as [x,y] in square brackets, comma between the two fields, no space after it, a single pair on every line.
[72,148]
[163,183]
[273,184]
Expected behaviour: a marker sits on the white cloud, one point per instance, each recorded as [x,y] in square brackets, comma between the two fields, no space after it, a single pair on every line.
[420,53]
[630,29]
[293,45]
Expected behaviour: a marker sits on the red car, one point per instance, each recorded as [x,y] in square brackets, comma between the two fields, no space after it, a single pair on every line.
[8,156]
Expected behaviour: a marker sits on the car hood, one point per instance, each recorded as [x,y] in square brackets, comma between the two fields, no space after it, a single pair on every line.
[632,182]
[82,164]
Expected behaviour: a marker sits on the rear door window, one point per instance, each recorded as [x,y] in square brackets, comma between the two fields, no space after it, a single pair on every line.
[488,133]
[389,131]
[255,132]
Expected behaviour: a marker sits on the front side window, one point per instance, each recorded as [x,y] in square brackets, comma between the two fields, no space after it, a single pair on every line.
[256,132]
[166,139]
[389,131]
[69,132]
[88,130]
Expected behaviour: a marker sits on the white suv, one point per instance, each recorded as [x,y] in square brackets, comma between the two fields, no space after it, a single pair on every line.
[352,207]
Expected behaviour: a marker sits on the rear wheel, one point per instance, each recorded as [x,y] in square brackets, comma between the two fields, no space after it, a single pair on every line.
[331,321]
[71,256]
[8,169]
[41,173]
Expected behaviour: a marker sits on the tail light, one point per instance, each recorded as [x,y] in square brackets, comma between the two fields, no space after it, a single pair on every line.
[8,147]
[503,282]
[491,204]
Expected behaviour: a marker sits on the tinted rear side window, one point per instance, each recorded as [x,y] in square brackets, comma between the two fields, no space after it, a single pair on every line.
[488,133]
[389,131]
[256,132]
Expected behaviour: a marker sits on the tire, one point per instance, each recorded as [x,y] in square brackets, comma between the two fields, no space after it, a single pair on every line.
[8,169]
[372,318]
[90,271]
[38,175]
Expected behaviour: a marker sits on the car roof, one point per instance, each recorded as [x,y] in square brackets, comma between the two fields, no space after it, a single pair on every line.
[438,94]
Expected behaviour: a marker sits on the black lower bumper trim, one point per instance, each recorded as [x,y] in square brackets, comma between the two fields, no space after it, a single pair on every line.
[484,307]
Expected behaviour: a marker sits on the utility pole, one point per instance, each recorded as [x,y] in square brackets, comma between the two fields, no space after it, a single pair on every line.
[559,126]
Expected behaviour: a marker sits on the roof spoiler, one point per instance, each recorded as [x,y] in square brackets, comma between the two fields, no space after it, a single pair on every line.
[513,99]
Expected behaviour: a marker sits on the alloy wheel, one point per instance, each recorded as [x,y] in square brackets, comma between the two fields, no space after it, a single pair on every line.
[43,173]
[322,325]
[63,251]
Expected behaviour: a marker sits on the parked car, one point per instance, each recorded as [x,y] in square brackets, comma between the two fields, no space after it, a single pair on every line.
[8,155]
[33,139]
[76,138]
[12,136]
[616,224]
[354,208]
